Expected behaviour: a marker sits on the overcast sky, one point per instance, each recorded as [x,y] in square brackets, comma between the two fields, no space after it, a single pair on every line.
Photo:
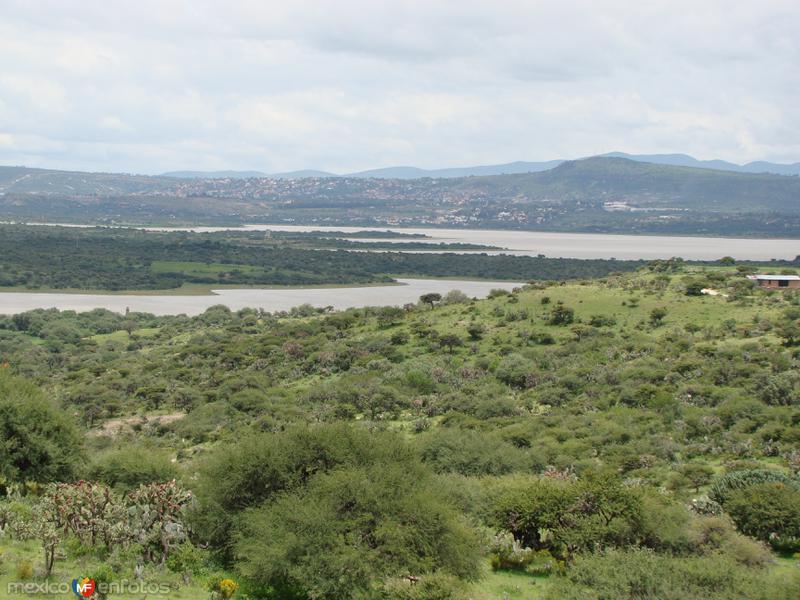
[151,86]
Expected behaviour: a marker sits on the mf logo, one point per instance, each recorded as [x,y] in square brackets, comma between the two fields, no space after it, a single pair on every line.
[83,588]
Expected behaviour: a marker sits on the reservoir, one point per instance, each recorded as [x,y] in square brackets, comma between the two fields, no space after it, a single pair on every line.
[270,300]
[556,245]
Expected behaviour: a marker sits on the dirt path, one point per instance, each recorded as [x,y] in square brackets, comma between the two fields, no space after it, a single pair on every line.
[114,427]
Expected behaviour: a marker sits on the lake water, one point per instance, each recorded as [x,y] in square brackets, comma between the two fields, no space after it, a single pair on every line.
[270,300]
[526,243]
[561,245]
[586,245]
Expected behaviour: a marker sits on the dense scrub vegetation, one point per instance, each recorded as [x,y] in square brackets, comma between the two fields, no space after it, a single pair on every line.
[625,438]
[113,259]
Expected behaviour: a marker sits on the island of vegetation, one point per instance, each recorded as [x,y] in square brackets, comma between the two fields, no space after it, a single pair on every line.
[44,258]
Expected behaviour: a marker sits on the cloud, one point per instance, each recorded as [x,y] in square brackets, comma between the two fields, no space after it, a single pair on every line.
[155,86]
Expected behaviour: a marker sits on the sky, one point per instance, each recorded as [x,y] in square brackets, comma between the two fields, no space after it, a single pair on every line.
[345,85]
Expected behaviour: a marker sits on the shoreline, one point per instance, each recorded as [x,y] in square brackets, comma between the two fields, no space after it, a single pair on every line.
[398,228]
[200,289]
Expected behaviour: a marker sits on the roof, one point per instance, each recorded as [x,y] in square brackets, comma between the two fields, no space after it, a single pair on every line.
[775,277]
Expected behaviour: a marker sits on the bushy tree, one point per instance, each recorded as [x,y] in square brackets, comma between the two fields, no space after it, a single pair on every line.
[657,316]
[450,341]
[38,441]
[430,299]
[768,511]
[729,483]
[348,531]
[639,574]
[469,452]
[514,370]
[566,517]
[259,467]
[475,331]
[561,315]
[127,468]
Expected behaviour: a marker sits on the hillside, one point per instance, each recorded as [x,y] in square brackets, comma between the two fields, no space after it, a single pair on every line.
[684,160]
[557,442]
[601,194]
[24,180]
[399,172]
[649,185]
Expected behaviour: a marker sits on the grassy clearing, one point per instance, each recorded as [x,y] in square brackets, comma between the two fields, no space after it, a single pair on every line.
[509,585]
[122,336]
[199,269]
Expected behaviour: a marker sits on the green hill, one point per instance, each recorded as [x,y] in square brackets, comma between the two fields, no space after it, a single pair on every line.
[658,186]
[561,441]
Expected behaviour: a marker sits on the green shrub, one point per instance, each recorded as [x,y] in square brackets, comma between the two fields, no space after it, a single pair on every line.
[769,512]
[723,487]
[38,441]
[561,315]
[24,570]
[127,468]
[468,452]
[641,574]
[514,370]
[372,523]
[255,468]
[187,559]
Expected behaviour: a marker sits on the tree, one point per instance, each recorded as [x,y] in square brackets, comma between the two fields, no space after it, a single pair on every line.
[514,370]
[259,467]
[450,340]
[604,513]
[789,326]
[566,517]
[695,288]
[390,315]
[657,316]
[60,332]
[696,474]
[476,331]
[768,511]
[430,299]
[350,530]
[729,483]
[455,297]
[126,468]
[38,441]
[640,573]
[561,315]
[42,525]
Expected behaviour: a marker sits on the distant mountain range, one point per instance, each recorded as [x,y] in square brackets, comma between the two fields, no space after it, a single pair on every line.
[214,174]
[385,173]
[405,172]
[684,160]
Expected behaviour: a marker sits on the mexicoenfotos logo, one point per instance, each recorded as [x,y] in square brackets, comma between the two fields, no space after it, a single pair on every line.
[83,588]
[86,587]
